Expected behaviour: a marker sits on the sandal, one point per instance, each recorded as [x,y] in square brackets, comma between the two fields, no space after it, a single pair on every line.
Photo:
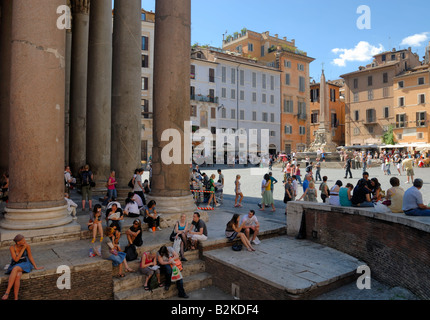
[146,288]
[121,275]
[160,285]
[129,270]
[5,296]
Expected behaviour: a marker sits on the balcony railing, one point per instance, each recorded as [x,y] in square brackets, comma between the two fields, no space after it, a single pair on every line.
[302,116]
[204,98]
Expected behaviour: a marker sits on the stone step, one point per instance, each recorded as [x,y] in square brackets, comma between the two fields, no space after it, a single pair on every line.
[191,283]
[137,280]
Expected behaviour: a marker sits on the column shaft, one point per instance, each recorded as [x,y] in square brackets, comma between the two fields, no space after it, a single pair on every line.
[37,91]
[126,90]
[99,89]
[78,85]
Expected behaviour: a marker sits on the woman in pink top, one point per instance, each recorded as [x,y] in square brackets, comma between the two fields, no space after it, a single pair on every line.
[111,186]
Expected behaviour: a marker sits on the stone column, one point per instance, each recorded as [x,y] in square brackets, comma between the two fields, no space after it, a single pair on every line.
[99,90]
[37,89]
[170,182]
[126,90]
[78,84]
[5,56]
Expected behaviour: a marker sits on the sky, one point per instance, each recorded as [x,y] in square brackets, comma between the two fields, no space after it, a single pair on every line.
[341,34]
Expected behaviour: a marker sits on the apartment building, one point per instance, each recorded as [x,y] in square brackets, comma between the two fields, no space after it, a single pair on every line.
[336,110]
[293,65]
[411,106]
[369,96]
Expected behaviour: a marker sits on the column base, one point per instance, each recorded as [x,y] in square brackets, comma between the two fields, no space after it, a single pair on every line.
[36,222]
[171,209]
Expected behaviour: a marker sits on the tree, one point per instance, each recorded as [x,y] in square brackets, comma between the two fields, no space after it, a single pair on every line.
[388,136]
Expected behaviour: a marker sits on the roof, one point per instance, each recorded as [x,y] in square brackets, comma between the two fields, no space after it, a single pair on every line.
[388,64]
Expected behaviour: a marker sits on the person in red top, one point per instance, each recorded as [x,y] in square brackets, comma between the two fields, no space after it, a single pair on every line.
[148,267]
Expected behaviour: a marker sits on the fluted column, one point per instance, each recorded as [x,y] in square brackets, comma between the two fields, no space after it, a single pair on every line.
[126,90]
[5,56]
[78,84]
[99,89]
[37,91]
[170,182]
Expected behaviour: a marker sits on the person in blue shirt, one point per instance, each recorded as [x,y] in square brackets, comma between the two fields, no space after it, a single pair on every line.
[413,201]
[308,178]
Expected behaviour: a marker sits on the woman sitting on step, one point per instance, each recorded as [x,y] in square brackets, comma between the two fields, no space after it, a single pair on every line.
[148,267]
[233,231]
[110,251]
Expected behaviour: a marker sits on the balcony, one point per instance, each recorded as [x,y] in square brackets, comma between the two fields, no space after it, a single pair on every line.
[370,121]
[202,98]
[302,116]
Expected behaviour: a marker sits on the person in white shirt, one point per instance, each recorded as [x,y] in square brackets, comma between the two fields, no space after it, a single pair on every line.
[251,226]
[71,206]
[295,185]
[131,207]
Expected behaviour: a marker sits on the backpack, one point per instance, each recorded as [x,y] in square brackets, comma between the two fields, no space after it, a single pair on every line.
[131,252]
[153,282]
[86,177]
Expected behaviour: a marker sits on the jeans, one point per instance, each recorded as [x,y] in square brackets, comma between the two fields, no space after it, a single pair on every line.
[318,174]
[418,212]
[348,170]
[365,204]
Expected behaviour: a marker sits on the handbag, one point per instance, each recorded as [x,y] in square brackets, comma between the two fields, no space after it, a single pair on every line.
[237,247]
[130,252]
[176,274]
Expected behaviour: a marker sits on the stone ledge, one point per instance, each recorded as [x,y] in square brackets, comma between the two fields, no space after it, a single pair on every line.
[295,210]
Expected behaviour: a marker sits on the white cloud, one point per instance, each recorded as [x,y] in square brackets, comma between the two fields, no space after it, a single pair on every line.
[415,40]
[363,51]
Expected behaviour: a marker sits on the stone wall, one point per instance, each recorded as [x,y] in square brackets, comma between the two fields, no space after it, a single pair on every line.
[88,282]
[394,246]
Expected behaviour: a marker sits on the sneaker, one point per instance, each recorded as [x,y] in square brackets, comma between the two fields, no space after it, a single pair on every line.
[259,205]
[158,228]
[150,229]
[217,205]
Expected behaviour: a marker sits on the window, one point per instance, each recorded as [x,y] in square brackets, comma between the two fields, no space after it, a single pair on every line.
[262,51]
[287,79]
[288,106]
[421,81]
[385,78]
[193,111]
[384,58]
[356,131]
[242,114]
[333,95]
[334,121]
[401,102]
[211,75]
[223,74]
[393,57]
[421,98]
[401,84]
[145,61]
[145,42]
[232,114]
[369,81]
[386,92]
[213,113]
[263,81]
[223,93]
[272,99]
[370,129]
[223,113]
[302,85]
[315,95]
[272,117]
[420,135]
[192,92]
[355,83]
[370,94]
[302,130]
[314,117]
[386,112]
[263,98]
[265,117]
[232,94]
[254,97]
[211,95]
[300,67]
[302,109]
[193,72]
[421,119]
[287,64]
[254,116]
[356,115]
[242,95]
[273,133]
[144,83]
[401,120]
[356,97]
[288,129]
[254,80]
[250,47]
[272,83]
[242,77]
[370,115]
[233,76]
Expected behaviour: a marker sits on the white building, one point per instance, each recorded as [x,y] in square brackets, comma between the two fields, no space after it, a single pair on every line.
[249,98]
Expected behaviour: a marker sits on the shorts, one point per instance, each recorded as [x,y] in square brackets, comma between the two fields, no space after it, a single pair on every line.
[410,172]
[86,192]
